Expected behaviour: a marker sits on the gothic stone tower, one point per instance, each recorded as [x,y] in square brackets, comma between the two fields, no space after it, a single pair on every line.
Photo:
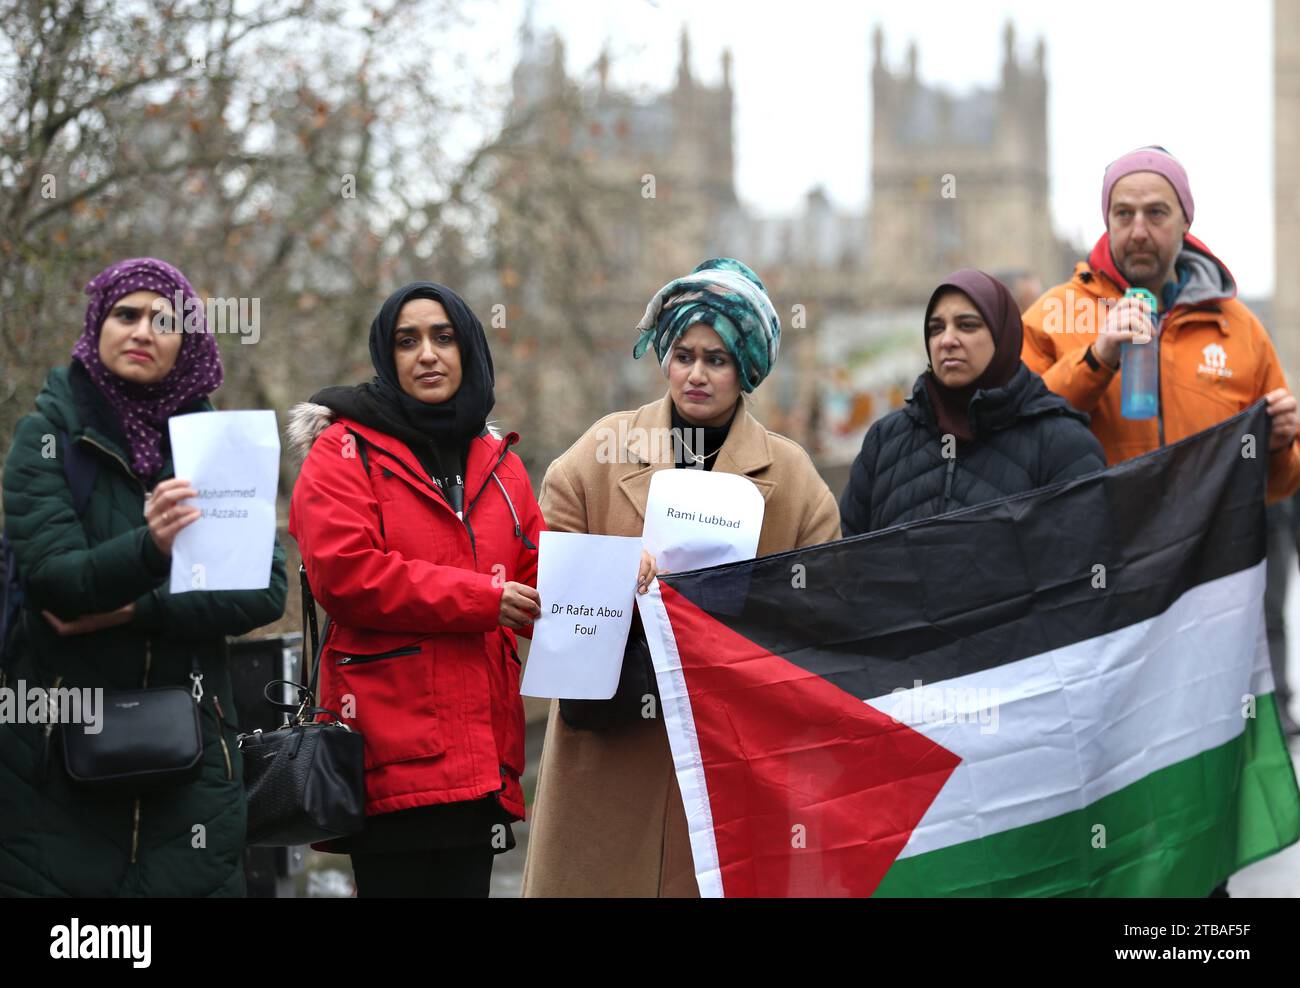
[682,136]
[958,181]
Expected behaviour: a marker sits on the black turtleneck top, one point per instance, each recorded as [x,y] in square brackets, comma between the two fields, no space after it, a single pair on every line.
[696,439]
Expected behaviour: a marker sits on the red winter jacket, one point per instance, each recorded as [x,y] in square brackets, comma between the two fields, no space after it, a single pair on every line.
[415,657]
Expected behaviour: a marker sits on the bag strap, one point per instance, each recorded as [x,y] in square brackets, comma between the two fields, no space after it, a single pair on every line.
[304,707]
[11,608]
[80,468]
[310,634]
[302,711]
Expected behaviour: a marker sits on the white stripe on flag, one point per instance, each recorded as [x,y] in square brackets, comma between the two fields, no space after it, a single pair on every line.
[1083,721]
[682,740]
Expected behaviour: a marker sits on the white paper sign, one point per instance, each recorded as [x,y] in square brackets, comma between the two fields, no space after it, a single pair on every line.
[698,518]
[587,584]
[233,460]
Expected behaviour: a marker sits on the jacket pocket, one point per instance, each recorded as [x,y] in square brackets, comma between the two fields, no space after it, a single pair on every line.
[1200,403]
[507,705]
[388,696]
[354,659]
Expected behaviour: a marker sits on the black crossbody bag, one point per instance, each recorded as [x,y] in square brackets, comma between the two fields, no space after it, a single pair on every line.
[306,780]
[636,698]
[149,739]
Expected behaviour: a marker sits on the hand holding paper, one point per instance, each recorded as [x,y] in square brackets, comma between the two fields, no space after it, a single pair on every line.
[647,573]
[166,515]
[232,462]
[695,519]
[588,584]
[520,605]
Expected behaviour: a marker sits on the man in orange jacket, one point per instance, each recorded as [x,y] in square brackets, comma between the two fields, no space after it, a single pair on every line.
[1214,356]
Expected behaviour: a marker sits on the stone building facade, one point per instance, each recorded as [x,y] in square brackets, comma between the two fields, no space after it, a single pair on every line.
[959,180]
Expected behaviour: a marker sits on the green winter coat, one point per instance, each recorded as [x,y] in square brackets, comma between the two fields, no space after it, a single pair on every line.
[54,839]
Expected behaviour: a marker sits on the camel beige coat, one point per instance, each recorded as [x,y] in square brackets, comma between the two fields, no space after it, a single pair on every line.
[608,818]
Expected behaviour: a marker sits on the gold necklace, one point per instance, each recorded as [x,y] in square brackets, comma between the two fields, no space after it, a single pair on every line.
[699,460]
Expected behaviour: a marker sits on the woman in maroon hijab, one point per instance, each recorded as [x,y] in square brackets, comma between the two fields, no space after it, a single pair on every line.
[92,509]
[979,426]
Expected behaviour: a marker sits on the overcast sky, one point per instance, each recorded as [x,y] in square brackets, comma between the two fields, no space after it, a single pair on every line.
[1121,73]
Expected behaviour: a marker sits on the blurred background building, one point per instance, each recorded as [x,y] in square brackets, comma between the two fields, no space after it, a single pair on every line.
[960,180]
[957,180]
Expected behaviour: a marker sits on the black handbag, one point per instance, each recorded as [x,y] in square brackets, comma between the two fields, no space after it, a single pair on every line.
[149,739]
[306,780]
[631,700]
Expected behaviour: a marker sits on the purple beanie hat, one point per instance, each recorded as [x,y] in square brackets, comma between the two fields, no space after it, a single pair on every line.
[1148,159]
[143,409]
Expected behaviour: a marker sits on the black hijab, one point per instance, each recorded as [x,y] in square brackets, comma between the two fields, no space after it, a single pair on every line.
[440,434]
[997,306]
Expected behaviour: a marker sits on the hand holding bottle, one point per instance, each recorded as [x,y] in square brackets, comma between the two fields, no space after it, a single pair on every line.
[1129,321]
[1140,360]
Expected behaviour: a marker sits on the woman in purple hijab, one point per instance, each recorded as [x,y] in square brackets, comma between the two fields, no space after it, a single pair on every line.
[91,511]
[144,376]
[979,426]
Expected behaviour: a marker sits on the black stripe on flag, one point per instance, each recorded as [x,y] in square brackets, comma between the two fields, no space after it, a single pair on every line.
[999,582]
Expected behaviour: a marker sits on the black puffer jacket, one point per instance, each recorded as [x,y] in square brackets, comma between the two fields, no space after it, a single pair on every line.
[56,840]
[1026,437]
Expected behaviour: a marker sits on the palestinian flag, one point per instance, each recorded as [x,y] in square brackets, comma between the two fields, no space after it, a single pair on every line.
[1065,692]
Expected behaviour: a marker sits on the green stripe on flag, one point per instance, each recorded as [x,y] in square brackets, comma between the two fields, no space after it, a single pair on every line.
[1172,833]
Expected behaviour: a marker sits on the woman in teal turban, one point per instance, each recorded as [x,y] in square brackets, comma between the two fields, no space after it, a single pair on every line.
[607,819]
[725,294]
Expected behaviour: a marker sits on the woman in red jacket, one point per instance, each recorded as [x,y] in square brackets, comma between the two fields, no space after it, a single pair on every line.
[418,528]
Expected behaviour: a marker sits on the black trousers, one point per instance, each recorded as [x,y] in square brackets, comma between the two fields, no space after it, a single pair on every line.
[1282,542]
[451,873]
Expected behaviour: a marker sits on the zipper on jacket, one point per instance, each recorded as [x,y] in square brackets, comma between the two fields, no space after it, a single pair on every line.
[492,473]
[473,542]
[135,829]
[947,481]
[108,452]
[519,529]
[135,809]
[221,736]
[44,755]
[148,651]
[349,660]
[441,494]
[1160,382]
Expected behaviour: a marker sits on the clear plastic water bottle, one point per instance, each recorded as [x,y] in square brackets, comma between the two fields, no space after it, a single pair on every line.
[1140,370]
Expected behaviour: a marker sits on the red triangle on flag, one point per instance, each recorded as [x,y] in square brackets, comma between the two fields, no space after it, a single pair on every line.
[812,791]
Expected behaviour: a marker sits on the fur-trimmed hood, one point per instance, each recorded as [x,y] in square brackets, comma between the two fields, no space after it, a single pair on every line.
[307,420]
